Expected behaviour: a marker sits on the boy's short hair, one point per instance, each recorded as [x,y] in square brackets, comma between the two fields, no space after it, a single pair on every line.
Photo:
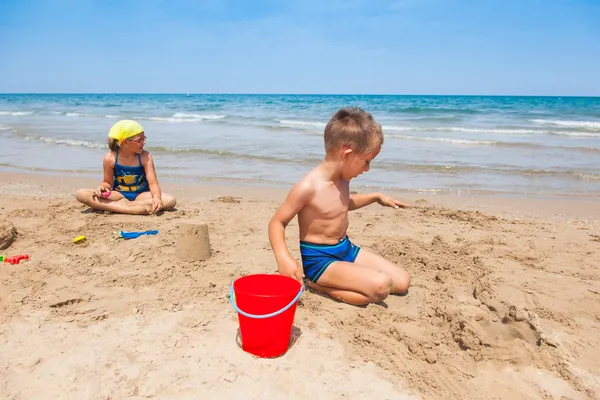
[355,128]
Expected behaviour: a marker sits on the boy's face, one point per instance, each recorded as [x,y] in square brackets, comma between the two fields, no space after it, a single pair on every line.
[357,163]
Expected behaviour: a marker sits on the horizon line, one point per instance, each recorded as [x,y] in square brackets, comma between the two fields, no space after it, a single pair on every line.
[293,94]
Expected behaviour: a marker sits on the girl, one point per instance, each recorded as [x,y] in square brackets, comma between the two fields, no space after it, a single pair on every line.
[130,185]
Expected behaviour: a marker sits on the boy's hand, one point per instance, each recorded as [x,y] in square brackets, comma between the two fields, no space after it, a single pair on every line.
[387,201]
[291,267]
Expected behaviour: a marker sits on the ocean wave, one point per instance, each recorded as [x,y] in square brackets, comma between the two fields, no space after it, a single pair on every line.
[43,169]
[499,131]
[588,125]
[234,155]
[391,166]
[16,113]
[175,150]
[585,176]
[68,142]
[471,169]
[498,143]
[431,110]
[296,123]
[182,117]
[445,140]
[177,117]
[198,116]
[73,114]
[576,134]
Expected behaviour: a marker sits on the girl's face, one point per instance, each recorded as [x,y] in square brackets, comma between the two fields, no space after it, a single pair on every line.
[136,143]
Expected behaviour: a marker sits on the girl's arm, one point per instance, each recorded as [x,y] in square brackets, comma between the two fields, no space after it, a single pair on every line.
[155,191]
[108,166]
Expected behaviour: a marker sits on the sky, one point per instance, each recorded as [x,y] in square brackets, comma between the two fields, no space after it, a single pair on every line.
[478,47]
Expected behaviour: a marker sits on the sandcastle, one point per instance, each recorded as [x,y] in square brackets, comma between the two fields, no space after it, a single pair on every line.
[193,242]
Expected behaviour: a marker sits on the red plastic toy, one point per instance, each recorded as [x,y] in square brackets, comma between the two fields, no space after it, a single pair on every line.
[16,259]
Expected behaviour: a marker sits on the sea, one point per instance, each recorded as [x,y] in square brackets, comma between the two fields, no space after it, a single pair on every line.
[461,145]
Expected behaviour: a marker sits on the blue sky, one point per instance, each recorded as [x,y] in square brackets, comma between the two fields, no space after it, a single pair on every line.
[529,47]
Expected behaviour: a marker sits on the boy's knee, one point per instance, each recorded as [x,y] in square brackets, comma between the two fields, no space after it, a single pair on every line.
[382,287]
[403,284]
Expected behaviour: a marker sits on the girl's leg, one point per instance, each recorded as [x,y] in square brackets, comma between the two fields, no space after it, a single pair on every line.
[354,283]
[400,277]
[168,201]
[116,203]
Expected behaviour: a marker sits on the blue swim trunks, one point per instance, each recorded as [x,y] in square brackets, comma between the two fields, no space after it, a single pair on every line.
[317,257]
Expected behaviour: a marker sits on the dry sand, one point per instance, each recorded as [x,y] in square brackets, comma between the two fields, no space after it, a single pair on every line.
[505,301]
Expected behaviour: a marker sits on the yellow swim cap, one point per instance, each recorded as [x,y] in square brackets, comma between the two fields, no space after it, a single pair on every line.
[124,130]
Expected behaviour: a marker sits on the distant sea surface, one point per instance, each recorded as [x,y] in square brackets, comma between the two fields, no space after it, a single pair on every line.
[521,146]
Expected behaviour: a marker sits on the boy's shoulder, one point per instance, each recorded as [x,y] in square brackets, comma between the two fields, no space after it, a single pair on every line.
[311,182]
[311,177]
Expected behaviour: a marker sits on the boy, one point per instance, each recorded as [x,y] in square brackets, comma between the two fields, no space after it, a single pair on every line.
[322,199]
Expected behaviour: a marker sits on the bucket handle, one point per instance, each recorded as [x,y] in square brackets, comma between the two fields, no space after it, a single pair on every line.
[273,314]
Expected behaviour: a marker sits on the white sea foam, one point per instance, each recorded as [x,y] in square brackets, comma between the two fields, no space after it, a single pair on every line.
[73,114]
[287,122]
[445,140]
[198,116]
[171,119]
[68,142]
[498,131]
[587,177]
[183,117]
[16,113]
[591,125]
[577,134]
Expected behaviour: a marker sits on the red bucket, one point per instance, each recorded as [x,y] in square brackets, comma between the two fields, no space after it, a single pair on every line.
[266,305]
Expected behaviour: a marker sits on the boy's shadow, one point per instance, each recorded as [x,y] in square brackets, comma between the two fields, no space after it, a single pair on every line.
[325,296]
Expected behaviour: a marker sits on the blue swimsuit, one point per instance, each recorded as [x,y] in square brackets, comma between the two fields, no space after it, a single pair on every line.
[317,257]
[130,181]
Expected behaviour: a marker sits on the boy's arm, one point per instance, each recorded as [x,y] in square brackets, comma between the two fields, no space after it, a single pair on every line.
[298,197]
[359,200]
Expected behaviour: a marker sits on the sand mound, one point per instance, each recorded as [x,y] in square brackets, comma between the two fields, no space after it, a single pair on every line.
[8,234]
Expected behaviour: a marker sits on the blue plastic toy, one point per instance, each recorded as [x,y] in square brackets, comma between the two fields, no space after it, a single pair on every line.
[133,235]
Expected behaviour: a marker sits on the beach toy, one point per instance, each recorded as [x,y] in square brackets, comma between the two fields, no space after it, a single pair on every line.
[105,195]
[133,235]
[79,239]
[266,305]
[2,258]
[16,259]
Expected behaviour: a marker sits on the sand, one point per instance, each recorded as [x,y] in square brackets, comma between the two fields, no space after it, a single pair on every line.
[504,303]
